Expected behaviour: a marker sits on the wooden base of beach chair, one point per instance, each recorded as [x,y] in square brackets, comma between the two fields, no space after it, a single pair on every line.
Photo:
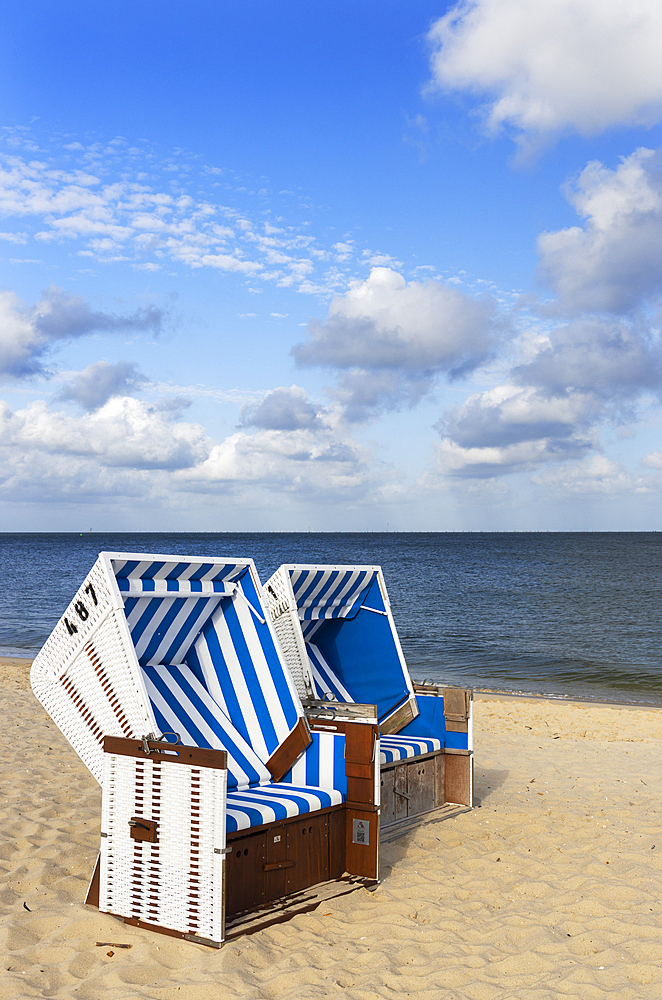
[415,786]
[282,858]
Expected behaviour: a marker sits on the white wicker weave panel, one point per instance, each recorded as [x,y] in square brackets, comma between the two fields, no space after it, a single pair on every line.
[291,641]
[89,681]
[278,593]
[178,882]
[92,602]
[283,611]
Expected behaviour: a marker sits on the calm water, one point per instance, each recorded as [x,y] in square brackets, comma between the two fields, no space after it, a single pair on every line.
[574,615]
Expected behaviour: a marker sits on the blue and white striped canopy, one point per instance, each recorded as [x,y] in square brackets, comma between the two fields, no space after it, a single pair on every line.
[330,593]
[209,616]
[167,603]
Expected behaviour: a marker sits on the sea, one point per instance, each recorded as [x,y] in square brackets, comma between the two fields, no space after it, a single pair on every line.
[572,615]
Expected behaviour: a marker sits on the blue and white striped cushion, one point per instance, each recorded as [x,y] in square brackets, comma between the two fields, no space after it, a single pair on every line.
[400,747]
[243,670]
[182,705]
[322,764]
[268,803]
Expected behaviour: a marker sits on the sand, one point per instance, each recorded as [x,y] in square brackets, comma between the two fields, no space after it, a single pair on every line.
[550,887]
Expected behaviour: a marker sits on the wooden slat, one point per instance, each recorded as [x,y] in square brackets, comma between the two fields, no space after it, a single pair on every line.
[337,843]
[316,709]
[244,873]
[276,877]
[400,718]
[308,845]
[167,752]
[458,779]
[439,780]
[362,859]
[401,792]
[387,799]
[360,743]
[420,785]
[92,898]
[290,750]
[353,770]
[457,704]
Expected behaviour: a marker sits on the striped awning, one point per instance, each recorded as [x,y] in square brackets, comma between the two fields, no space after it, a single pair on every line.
[167,603]
[330,593]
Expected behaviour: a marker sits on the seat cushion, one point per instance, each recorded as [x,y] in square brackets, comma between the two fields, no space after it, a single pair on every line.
[400,747]
[267,803]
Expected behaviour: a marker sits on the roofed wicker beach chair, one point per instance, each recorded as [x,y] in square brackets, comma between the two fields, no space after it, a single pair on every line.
[337,632]
[165,676]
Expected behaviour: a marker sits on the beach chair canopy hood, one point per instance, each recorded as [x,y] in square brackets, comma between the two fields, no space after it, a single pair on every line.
[350,650]
[140,621]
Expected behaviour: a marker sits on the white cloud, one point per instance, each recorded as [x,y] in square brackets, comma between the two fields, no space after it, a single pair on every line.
[133,448]
[128,220]
[124,433]
[611,360]
[583,375]
[596,475]
[99,382]
[27,333]
[311,463]
[553,65]
[509,429]
[452,460]
[613,262]
[391,338]
[286,408]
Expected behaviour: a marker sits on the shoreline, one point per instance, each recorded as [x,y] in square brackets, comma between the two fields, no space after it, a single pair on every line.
[22,665]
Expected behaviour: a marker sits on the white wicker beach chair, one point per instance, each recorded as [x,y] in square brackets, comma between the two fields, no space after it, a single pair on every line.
[155,645]
[339,639]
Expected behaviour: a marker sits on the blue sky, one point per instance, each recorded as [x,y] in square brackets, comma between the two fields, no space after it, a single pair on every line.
[278,266]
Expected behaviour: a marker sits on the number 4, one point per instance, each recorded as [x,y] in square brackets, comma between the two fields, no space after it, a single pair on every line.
[71,628]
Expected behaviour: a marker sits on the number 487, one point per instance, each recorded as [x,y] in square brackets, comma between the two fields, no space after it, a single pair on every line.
[81,610]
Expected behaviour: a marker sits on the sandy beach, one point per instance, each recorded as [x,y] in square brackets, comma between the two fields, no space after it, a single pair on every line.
[550,887]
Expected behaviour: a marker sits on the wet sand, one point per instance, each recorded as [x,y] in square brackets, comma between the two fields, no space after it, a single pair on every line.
[550,887]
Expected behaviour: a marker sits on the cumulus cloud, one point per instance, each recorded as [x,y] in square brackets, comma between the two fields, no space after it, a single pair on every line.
[133,448]
[308,463]
[510,428]
[554,65]
[99,382]
[392,338]
[125,433]
[282,409]
[608,359]
[28,332]
[600,360]
[589,372]
[612,263]
[595,475]
[362,394]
